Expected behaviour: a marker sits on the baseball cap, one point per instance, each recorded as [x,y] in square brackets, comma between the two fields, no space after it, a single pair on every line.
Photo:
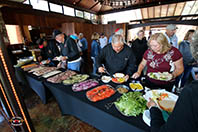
[73,36]
[56,32]
[119,31]
[171,27]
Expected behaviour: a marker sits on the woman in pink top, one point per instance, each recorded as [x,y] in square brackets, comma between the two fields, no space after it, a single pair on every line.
[161,57]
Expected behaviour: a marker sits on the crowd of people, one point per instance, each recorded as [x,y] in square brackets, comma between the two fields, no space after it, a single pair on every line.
[161,52]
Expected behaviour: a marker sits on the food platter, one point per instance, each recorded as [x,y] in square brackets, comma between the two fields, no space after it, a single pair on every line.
[155,94]
[75,79]
[119,78]
[84,85]
[131,104]
[122,89]
[162,76]
[136,86]
[100,93]
[49,74]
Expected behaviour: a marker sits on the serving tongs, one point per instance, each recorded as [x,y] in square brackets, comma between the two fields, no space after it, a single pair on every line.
[107,72]
[108,105]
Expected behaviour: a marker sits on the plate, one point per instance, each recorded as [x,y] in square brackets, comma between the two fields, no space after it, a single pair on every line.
[106,79]
[75,79]
[100,93]
[155,94]
[49,74]
[136,86]
[162,76]
[125,89]
[118,75]
[146,117]
[118,80]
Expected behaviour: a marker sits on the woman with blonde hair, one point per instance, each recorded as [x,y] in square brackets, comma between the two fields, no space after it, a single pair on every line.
[161,57]
[95,49]
[184,117]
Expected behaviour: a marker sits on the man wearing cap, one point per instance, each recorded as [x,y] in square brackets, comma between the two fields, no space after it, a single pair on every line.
[69,50]
[171,36]
[117,31]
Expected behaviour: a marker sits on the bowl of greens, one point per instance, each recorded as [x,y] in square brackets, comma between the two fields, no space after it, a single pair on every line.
[131,104]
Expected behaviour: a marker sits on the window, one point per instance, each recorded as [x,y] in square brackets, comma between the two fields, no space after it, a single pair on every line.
[93,17]
[79,13]
[68,11]
[39,5]
[14,34]
[87,15]
[127,16]
[56,8]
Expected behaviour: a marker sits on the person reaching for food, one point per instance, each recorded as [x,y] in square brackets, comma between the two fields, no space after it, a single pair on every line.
[184,117]
[116,57]
[160,59]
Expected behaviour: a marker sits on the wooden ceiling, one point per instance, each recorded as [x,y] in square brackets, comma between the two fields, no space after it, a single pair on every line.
[151,10]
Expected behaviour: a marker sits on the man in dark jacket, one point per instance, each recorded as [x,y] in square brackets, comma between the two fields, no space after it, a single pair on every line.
[116,57]
[69,50]
[184,117]
[139,46]
[48,49]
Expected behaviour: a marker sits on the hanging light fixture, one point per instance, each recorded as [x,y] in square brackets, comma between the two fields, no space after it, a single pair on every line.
[117,3]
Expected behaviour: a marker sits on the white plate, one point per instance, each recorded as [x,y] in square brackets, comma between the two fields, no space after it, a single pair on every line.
[146,117]
[118,75]
[106,79]
[154,94]
[160,76]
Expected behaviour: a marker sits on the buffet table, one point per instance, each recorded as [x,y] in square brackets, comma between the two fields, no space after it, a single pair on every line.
[34,82]
[37,85]
[77,104]
[95,113]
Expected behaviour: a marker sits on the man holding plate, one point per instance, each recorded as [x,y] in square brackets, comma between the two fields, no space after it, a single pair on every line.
[116,57]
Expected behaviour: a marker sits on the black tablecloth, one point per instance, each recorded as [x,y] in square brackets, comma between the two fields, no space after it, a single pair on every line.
[34,82]
[95,113]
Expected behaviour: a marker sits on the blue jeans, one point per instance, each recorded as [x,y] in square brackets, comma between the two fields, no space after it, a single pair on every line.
[94,65]
[74,66]
[184,76]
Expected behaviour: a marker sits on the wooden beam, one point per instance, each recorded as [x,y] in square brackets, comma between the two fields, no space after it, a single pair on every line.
[169,17]
[183,22]
[78,2]
[94,5]
[14,4]
[132,7]
[167,10]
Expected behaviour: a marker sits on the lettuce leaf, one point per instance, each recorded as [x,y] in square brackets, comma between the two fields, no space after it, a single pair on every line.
[131,103]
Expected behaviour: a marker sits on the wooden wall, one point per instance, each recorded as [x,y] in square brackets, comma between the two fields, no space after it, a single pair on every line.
[89,29]
[46,22]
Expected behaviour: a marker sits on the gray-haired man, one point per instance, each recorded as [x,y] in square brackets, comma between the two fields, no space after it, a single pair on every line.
[116,57]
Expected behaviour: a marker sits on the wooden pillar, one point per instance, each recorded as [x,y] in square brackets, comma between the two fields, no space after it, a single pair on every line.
[9,86]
